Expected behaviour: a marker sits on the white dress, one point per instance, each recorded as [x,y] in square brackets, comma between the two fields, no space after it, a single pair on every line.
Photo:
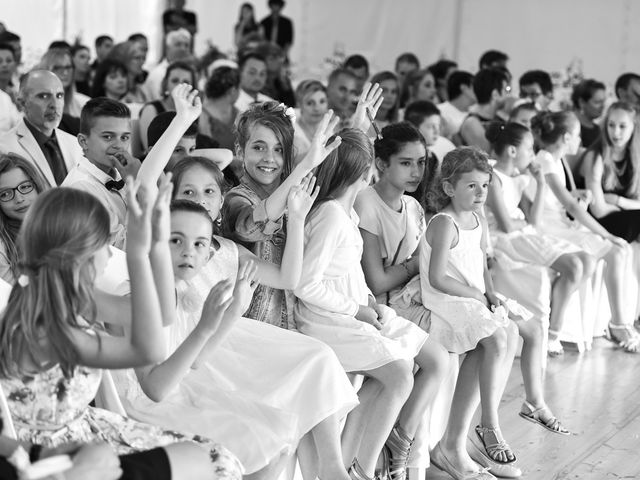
[526,245]
[260,390]
[333,287]
[459,323]
[555,221]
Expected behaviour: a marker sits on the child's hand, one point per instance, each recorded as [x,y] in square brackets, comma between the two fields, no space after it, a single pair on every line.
[187,102]
[367,314]
[125,163]
[371,99]
[319,148]
[536,172]
[245,286]
[495,302]
[161,217]
[139,207]
[301,198]
[215,306]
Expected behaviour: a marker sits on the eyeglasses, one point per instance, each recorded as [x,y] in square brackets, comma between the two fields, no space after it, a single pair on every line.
[9,194]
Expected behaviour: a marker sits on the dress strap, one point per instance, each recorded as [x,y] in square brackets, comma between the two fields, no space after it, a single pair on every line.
[451,218]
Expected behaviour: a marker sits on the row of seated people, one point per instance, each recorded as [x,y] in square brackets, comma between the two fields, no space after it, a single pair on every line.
[263,391]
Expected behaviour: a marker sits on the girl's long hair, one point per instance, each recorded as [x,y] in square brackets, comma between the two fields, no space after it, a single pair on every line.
[455,163]
[345,165]
[62,231]
[10,227]
[631,159]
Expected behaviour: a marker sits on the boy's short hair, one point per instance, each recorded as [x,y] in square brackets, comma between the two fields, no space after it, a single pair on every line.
[490,57]
[101,107]
[417,111]
[136,37]
[7,47]
[539,77]
[356,62]
[159,125]
[102,39]
[486,81]
[455,82]
[248,55]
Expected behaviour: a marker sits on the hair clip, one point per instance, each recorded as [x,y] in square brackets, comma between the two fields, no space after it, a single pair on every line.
[288,112]
[23,280]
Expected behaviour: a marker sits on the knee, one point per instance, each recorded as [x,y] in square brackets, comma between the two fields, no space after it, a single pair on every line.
[588,265]
[497,342]
[574,269]
[399,378]
[439,365]
[616,256]
[531,331]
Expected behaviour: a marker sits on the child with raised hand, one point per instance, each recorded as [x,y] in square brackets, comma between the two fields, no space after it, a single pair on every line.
[467,316]
[52,341]
[512,222]
[558,133]
[336,306]
[253,212]
[261,388]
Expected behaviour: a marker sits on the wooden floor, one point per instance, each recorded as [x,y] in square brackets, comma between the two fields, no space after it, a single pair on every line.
[596,394]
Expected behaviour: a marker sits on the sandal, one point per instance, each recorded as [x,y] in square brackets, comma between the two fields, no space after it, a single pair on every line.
[442,463]
[535,415]
[625,337]
[399,445]
[554,347]
[494,449]
[356,472]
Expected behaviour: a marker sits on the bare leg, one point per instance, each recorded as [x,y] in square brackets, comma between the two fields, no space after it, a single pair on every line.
[614,280]
[326,436]
[569,266]
[396,379]
[433,361]
[356,420]
[531,361]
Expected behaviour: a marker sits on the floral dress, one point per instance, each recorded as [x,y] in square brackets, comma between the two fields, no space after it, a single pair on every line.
[51,410]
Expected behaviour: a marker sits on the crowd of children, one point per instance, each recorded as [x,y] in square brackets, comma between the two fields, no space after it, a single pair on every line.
[260,280]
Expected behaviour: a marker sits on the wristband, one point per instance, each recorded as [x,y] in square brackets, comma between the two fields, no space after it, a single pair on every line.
[34,452]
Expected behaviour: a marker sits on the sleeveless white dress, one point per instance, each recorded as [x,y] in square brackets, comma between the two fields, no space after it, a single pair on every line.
[459,323]
[260,390]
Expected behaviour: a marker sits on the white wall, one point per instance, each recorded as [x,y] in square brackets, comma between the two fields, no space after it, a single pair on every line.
[544,34]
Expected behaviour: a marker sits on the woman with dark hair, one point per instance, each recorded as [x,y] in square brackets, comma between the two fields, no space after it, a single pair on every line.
[246,26]
[388,111]
[218,110]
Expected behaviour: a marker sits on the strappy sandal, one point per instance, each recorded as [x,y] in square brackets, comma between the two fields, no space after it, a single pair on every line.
[533,414]
[554,347]
[494,449]
[399,446]
[356,472]
[625,336]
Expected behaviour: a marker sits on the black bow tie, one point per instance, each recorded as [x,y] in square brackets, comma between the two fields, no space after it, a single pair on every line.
[114,185]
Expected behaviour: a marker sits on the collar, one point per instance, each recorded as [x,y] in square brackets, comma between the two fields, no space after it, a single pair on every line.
[251,184]
[88,167]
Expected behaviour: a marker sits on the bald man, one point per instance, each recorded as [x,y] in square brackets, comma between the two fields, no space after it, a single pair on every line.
[37,137]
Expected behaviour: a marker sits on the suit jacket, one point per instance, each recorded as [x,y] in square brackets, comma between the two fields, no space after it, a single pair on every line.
[21,141]
[285,30]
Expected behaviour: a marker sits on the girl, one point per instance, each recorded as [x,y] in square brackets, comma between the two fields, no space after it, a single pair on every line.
[253,212]
[516,239]
[20,184]
[466,313]
[50,365]
[133,56]
[177,73]
[258,386]
[311,97]
[422,86]
[559,135]
[391,223]
[336,306]
[388,111]
[612,172]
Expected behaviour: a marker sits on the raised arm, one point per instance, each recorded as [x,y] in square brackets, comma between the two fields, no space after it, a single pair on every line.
[188,109]
[146,343]
[287,274]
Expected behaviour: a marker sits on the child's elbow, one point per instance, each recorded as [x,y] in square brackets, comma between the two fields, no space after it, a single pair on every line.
[436,280]
[155,393]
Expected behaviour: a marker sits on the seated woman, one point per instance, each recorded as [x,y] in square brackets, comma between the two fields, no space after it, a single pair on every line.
[218,111]
[611,169]
[53,343]
[177,73]
[311,97]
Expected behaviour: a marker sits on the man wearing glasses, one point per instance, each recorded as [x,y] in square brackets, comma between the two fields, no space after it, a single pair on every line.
[37,137]
[536,86]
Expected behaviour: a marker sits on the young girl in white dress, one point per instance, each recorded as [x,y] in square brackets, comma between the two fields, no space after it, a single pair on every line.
[261,387]
[467,316]
[335,305]
[516,239]
[558,133]
[53,343]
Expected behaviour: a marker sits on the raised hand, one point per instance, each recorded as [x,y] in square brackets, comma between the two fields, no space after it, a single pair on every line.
[215,306]
[140,201]
[161,216]
[187,102]
[301,198]
[125,163]
[371,99]
[319,148]
[536,172]
[245,286]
